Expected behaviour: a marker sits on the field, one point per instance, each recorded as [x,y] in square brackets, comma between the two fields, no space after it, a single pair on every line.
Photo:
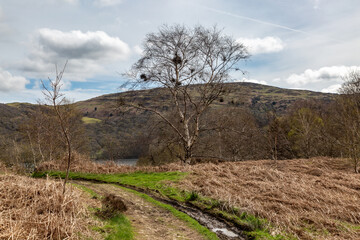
[312,199]
[306,198]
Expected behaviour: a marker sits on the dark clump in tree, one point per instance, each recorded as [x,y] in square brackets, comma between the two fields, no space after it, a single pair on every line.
[176,58]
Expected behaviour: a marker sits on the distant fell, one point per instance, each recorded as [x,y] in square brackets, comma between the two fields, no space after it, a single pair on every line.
[257,97]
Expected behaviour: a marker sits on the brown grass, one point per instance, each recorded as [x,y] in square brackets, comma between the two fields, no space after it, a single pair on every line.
[82,163]
[36,209]
[313,199]
[3,168]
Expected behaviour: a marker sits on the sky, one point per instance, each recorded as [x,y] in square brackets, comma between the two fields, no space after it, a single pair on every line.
[297,44]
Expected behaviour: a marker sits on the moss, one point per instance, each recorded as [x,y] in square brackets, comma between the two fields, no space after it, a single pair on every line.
[118,227]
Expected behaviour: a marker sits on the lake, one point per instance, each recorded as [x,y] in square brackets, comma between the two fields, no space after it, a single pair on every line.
[128,162]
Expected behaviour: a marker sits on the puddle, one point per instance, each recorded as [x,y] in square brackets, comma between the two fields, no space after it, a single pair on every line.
[222,230]
[225,232]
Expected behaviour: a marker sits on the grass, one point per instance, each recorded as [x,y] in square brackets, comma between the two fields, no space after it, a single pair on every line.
[257,228]
[18,104]
[151,181]
[88,120]
[308,198]
[88,190]
[117,227]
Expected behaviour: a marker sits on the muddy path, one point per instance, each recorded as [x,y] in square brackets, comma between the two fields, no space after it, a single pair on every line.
[149,221]
[152,222]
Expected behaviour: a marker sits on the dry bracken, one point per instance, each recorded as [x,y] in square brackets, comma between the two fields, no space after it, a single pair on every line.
[81,163]
[37,209]
[311,198]
[315,198]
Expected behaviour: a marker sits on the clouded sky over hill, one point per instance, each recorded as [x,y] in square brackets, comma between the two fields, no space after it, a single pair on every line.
[303,44]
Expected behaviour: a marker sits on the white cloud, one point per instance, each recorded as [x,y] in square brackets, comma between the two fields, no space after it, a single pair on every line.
[8,82]
[87,53]
[324,74]
[252,81]
[80,45]
[107,3]
[138,50]
[332,89]
[262,45]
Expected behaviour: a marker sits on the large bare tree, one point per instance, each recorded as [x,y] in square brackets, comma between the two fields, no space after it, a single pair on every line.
[192,64]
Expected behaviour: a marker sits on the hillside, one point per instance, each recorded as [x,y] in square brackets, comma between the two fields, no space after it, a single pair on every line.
[129,127]
[257,97]
[119,134]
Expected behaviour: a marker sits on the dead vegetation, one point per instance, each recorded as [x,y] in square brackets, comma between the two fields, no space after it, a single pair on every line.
[313,199]
[112,205]
[37,209]
[3,168]
[81,163]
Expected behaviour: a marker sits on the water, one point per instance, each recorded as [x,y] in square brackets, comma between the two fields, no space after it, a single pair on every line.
[222,230]
[128,162]
[225,232]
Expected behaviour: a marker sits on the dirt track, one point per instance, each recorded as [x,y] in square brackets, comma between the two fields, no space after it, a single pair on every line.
[149,221]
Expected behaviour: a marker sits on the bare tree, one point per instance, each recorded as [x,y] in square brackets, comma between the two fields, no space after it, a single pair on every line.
[305,132]
[350,116]
[273,134]
[38,129]
[192,64]
[58,101]
[229,133]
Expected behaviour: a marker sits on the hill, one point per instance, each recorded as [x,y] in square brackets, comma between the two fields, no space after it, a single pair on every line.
[120,134]
[257,97]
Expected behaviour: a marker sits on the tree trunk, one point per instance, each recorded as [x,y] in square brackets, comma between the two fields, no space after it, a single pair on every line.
[275,148]
[356,168]
[188,154]
[32,150]
[356,163]
[68,166]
